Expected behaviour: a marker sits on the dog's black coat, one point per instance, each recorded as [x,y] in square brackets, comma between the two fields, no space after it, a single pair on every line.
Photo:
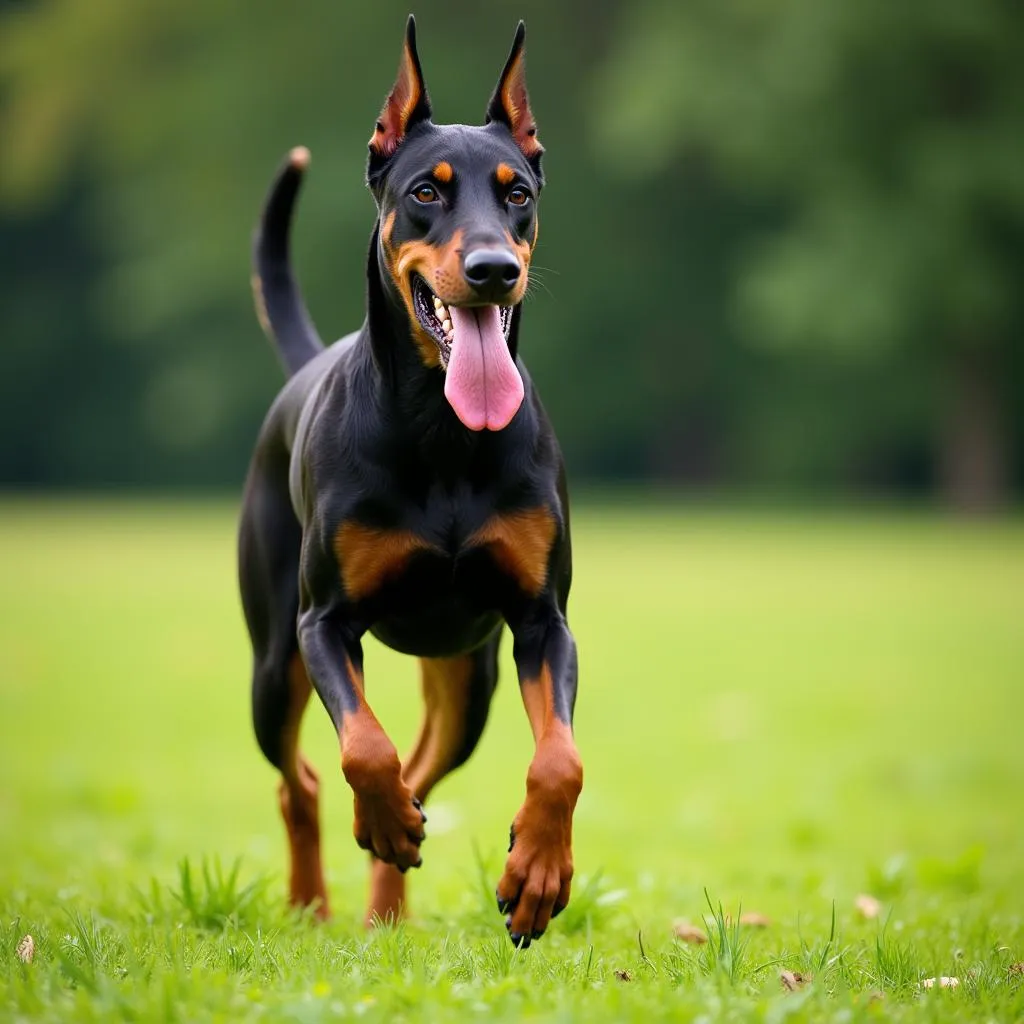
[361,455]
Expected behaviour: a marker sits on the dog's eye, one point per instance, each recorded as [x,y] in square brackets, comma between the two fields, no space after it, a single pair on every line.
[518,196]
[425,194]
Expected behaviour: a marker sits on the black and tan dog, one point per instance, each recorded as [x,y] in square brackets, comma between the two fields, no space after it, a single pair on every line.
[406,481]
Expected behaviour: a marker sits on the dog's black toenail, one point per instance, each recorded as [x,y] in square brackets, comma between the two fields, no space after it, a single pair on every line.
[559,907]
[511,837]
[537,934]
[504,906]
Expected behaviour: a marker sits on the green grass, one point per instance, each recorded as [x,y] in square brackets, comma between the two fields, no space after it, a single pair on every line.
[777,712]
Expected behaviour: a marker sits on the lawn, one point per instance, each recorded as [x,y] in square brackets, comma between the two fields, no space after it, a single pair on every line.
[777,713]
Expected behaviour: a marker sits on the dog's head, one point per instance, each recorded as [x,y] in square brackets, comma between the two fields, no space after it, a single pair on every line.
[457,227]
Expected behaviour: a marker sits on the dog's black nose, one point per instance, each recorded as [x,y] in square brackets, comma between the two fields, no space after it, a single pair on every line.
[491,272]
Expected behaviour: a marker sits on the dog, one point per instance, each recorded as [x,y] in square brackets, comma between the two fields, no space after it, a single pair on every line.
[407,482]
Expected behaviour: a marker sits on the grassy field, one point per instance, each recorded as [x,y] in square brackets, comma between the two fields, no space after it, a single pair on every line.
[777,712]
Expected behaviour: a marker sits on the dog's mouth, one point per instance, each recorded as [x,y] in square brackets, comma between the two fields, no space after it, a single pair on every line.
[438,321]
[482,382]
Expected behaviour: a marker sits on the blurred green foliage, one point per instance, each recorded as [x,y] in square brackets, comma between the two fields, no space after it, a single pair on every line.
[780,244]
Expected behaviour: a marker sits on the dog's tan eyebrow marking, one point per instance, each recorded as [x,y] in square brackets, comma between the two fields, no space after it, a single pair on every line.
[505,174]
[443,172]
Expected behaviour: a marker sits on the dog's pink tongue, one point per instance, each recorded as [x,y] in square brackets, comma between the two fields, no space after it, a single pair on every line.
[482,384]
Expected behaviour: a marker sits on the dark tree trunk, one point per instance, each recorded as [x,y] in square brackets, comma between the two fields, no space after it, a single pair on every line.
[974,456]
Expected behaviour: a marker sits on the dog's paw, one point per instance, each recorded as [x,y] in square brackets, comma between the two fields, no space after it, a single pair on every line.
[388,819]
[389,823]
[537,880]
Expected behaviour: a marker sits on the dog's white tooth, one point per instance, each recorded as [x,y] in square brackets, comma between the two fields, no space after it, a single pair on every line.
[446,326]
[437,303]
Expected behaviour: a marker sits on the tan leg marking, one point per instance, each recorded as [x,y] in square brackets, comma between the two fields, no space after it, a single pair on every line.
[385,820]
[298,796]
[446,683]
[539,869]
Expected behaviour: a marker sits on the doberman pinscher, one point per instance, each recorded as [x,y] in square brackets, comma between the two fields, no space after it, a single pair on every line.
[406,481]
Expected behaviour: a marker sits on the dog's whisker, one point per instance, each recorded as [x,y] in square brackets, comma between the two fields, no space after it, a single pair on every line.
[534,285]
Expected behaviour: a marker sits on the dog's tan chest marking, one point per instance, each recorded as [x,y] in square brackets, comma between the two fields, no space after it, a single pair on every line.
[369,556]
[520,543]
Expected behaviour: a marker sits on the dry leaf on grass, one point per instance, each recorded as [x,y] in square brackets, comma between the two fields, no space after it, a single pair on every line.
[26,949]
[686,932]
[867,906]
[623,975]
[1017,968]
[942,982]
[749,918]
[793,980]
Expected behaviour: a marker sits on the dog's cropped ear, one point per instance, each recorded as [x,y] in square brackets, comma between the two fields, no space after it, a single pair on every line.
[407,104]
[510,105]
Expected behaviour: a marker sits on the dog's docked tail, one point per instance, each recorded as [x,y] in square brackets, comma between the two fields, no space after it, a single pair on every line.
[279,305]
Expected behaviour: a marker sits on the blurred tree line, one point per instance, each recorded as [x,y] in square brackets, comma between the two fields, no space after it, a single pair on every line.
[780,244]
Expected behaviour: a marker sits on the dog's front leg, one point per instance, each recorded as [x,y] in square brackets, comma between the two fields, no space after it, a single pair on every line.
[538,872]
[388,818]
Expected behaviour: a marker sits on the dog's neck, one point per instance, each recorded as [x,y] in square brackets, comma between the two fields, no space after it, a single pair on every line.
[413,393]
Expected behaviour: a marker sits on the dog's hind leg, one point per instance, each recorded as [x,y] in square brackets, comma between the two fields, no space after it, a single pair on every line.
[457,695]
[269,543]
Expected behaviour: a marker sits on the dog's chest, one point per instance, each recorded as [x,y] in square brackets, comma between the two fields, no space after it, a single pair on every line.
[445,570]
